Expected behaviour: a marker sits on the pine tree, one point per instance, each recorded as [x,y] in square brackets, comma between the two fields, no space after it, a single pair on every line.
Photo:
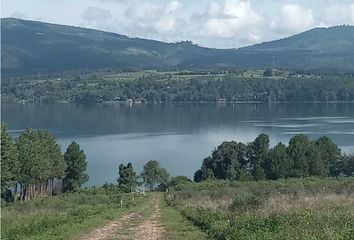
[9,160]
[330,154]
[278,165]
[258,155]
[75,173]
[33,165]
[128,179]
[297,152]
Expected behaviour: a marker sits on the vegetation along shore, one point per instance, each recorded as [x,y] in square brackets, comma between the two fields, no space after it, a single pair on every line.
[242,191]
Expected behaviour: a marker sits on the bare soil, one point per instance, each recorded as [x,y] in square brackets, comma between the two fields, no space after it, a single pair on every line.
[144,224]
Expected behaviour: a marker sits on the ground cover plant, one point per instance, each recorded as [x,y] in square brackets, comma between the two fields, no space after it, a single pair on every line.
[308,208]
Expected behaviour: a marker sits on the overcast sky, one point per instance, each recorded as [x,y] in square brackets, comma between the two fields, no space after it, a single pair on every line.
[211,23]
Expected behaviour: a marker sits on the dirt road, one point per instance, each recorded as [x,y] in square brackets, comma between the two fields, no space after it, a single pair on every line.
[144,224]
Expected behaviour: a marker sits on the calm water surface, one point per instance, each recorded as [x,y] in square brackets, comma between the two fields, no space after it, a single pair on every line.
[179,136]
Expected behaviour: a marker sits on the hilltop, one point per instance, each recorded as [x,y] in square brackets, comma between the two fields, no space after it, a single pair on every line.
[31,47]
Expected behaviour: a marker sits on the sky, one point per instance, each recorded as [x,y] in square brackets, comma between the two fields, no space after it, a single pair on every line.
[209,23]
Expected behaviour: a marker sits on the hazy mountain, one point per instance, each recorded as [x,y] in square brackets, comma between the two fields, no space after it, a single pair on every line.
[30,47]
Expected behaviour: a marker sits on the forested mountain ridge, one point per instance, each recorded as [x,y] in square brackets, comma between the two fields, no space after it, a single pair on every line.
[30,47]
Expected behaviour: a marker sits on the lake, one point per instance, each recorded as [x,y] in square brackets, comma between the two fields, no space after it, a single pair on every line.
[179,136]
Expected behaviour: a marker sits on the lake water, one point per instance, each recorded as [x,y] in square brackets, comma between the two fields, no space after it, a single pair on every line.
[179,136]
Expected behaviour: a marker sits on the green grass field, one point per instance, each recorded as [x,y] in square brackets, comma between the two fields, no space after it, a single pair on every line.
[286,209]
[65,216]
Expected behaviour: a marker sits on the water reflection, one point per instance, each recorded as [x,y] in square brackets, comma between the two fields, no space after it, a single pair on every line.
[178,135]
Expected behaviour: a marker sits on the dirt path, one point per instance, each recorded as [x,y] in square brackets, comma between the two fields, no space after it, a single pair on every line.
[107,230]
[151,228]
[144,224]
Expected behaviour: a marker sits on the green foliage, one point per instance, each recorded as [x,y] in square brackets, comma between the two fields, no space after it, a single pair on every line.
[128,179]
[75,173]
[177,226]
[63,216]
[258,154]
[178,86]
[278,162]
[40,163]
[250,216]
[329,223]
[9,160]
[176,180]
[256,161]
[154,174]
[347,165]
[330,153]
[268,73]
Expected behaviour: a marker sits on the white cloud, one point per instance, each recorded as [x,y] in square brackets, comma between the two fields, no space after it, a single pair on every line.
[231,19]
[18,15]
[293,19]
[96,14]
[172,7]
[338,14]
[212,23]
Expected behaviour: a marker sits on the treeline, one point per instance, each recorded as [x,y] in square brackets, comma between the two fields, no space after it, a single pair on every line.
[303,157]
[33,165]
[153,177]
[175,88]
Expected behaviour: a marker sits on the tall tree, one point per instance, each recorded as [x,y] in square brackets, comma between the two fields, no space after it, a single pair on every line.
[9,160]
[75,173]
[316,166]
[347,165]
[330,154]
[128,179]
[56,161]
[297,152]
[34,166]
[153,174]
[259,149]
[278,165]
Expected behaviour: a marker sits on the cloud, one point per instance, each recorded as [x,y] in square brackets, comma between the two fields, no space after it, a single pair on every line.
[227,23]
[338,14]
[94,14]
[18,14]
[152,20]
[293,19]
[212,23]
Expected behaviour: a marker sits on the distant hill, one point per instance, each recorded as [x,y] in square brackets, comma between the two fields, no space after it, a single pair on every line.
[30,47]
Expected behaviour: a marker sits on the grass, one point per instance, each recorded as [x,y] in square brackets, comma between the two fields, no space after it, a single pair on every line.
[178,227]
[220,194]
[63,217]
[336,222]
[286,209]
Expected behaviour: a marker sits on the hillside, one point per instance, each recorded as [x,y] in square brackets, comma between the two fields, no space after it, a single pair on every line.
[30,47]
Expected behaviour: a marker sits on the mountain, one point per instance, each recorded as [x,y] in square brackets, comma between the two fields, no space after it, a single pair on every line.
[30,47]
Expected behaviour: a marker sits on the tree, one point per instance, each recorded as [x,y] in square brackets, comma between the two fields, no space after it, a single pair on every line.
[330,154]
[316,165]
[174,181]
[347,165]
[40,163]
[56,161]
[34,163]
[153,174]
[9,160]
[198,176]
[259,149]
[75,173]
[278,165]
[268,73]
[297,152]
[128,179]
